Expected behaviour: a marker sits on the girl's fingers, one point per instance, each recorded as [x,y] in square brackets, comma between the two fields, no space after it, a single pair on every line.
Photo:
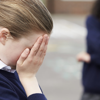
[42,47]
[44,53]
[23,56]
[36,47]
[45,49]
[47,40]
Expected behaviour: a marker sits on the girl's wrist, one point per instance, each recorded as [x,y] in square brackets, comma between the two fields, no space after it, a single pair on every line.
[31,85]
[26,77]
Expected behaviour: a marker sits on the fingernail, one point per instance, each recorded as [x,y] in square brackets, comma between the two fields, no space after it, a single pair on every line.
[27,50]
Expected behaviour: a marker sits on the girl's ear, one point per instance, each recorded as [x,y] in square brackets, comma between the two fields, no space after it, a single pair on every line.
[4,34]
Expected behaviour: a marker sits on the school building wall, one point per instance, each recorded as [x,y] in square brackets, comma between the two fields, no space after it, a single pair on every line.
[70,6]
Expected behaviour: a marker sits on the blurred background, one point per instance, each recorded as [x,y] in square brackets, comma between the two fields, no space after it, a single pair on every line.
[60,74]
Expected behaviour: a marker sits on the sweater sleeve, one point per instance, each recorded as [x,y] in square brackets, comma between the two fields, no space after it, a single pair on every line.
[93,39]
[7,93]
[37,97]
[95,59]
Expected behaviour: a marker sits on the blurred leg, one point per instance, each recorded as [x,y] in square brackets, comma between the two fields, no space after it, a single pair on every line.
[89,96]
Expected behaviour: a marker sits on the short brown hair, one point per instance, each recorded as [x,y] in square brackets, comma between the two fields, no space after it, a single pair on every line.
[22,16]
[96,9]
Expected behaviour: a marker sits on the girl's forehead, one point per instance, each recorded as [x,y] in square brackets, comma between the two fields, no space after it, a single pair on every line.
[31,40]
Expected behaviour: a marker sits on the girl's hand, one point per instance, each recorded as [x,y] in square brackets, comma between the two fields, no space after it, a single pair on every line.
[30,61]
[83,57]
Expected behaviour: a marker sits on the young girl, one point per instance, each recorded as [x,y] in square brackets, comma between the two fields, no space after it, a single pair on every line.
[91,58]
[25,27]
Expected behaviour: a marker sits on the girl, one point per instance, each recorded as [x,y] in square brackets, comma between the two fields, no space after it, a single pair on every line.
[91,58]
[25,27]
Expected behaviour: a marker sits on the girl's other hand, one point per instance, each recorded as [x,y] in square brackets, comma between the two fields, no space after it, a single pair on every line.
[30,61]
[83,56]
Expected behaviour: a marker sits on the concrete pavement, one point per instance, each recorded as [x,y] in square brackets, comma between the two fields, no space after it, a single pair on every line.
[60,74]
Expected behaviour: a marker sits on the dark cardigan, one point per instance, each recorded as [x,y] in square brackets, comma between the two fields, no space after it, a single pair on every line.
[91,71]
[12,89]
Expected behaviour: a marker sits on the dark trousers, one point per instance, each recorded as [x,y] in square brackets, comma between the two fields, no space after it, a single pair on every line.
[89,96]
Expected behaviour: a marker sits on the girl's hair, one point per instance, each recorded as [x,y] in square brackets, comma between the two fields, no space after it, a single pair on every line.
[22,16]
[96,9]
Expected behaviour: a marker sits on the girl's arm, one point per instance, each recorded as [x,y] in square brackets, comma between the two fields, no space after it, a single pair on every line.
[93,42]
[28,65]
[7,93]
[93,39]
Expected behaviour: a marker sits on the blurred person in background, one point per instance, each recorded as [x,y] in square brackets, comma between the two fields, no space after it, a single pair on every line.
[91,58]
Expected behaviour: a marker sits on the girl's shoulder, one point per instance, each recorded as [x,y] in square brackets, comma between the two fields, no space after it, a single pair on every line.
[92,19]
[7,78]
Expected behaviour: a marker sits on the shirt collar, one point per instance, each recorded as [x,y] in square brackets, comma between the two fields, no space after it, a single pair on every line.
[3,66]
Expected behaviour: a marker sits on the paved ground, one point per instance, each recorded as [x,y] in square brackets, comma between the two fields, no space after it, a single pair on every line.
[60,74]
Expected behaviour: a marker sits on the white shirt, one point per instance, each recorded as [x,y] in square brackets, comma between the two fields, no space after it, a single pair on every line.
[3,66]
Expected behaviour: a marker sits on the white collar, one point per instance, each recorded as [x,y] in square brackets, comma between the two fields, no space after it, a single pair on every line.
[3,66]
